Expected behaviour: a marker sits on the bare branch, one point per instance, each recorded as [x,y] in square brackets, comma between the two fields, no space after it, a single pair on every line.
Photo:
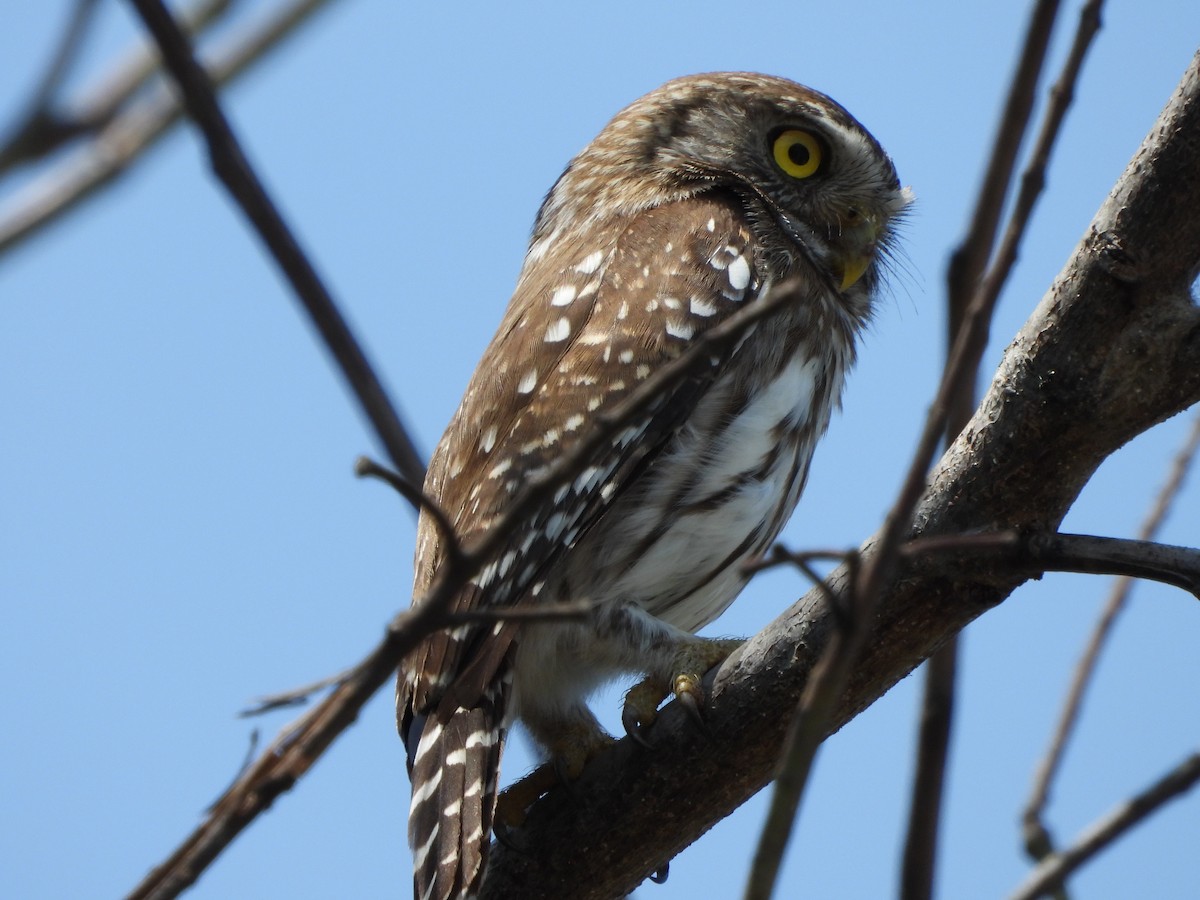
[1038,843]
[295,697]
[1052,871]
[1031,555]
[230,165]
[970,259]
[1033,179]
[454,558]
[937,708]
[48,124]
[38,128]
[123,130]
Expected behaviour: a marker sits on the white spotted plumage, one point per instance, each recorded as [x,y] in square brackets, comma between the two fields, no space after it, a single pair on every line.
[675,217]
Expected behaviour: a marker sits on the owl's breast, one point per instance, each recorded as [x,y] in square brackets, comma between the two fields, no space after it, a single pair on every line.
[717,495]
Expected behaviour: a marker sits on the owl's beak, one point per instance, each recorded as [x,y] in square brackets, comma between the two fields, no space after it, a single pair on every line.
[852,269]
[857,251]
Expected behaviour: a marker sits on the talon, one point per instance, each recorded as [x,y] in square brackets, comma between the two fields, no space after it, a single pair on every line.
[641,709]
[691,664]
[659,875]
[637,732]
[690,695]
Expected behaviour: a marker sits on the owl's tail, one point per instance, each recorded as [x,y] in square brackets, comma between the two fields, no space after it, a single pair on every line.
[454,769]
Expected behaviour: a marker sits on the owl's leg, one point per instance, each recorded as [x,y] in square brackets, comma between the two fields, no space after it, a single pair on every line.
[571,738]
[673,660]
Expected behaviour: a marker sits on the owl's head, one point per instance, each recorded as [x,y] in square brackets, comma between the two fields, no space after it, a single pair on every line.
[816,185]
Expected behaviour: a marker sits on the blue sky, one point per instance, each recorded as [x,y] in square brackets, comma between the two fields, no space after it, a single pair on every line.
[181,530]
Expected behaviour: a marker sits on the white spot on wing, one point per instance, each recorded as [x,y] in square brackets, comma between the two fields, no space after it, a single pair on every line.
[739,273]
[701,307]
[590,263]
[563,296]
[487,440]
[681,330]
[625,356]
[558,331]
[527,383]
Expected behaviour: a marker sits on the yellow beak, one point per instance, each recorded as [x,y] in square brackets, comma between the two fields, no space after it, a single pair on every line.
[857,246]
[853,268]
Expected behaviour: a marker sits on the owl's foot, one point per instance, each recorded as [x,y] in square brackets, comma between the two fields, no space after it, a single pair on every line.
[687,667]
[571,747]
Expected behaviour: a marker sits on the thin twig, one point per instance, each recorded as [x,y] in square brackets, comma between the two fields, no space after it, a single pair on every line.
[38,127]
[1038,842]
[453,556]
[1033,179]
[559,612]
[970,259]
[294,697]
[122,131]
[938,702]
[1054,869]
[230,165]
[50,123]
[247,759]
[1033,555]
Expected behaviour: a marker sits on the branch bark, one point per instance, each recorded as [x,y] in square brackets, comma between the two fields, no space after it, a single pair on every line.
[1113,349]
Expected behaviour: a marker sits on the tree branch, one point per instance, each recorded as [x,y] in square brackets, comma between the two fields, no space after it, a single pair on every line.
[963,288]
[1112,349]
[1035,834]
[230,165]
[1054,869]
[122,128]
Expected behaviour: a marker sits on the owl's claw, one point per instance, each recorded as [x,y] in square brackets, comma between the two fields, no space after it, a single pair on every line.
[641,709]
[689,693]
[638,733]
[690,663]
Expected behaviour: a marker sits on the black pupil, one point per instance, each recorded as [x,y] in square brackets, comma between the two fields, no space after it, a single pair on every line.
[799,154]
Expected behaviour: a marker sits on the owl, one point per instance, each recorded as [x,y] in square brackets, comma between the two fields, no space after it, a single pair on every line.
[694,202]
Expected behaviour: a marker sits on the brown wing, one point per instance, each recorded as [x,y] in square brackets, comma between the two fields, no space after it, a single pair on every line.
[590,320]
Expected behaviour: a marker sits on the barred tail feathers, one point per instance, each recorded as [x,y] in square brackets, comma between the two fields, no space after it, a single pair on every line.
[455,771]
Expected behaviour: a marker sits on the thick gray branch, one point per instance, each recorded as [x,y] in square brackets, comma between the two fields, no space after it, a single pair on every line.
[1113,349]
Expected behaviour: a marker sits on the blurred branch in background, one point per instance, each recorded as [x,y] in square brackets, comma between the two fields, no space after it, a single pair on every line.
[84,143]
[966,279]
[230,165]
[1038,842]
[1054,868]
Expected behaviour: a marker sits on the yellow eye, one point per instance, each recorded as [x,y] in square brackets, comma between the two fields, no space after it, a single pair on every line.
[798,153]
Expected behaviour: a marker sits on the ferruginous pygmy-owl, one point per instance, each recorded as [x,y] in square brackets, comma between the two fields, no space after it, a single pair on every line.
[693,203]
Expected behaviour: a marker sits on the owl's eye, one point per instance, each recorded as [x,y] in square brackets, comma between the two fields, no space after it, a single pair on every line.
[799,153]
